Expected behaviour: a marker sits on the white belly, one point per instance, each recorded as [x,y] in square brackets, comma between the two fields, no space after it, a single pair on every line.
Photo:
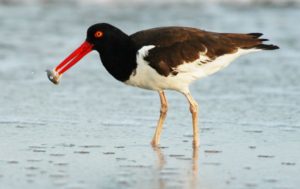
[148,78]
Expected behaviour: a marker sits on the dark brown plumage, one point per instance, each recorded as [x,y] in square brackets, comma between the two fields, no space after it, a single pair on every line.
[185,43]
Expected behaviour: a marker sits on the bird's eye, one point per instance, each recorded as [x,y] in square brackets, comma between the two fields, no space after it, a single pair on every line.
[98,34]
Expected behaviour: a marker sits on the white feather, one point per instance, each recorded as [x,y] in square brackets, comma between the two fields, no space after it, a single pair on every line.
[146,77]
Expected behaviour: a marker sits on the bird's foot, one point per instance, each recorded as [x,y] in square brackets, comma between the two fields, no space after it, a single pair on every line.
[53,76]
[154,143]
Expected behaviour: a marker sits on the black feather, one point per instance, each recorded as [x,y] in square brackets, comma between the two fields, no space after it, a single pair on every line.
[264,39]
[257,35]
[266,47]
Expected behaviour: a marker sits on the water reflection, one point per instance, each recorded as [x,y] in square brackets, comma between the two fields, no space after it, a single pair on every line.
[160,157]
[190,180]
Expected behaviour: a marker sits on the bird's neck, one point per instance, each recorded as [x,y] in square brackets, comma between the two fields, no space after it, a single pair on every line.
[119,59]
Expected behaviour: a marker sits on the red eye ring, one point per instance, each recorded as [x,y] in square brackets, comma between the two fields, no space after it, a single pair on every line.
[98,34]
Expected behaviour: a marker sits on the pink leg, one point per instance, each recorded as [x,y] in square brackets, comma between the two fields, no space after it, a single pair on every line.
[194,111]
[162,117]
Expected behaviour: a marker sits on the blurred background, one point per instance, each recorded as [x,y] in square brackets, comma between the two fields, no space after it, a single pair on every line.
[94,132]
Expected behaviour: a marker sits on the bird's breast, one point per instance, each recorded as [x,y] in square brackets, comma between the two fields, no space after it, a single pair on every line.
[145,76]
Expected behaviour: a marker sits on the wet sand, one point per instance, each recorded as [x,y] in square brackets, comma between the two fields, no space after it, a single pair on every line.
[94,132]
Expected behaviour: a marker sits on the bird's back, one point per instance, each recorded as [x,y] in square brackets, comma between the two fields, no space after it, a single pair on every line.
[216,43]
[175,46]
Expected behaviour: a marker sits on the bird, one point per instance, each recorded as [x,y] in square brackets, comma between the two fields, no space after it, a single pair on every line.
[163,58]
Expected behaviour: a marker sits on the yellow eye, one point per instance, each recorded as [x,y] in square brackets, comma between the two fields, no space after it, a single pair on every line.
[98,34]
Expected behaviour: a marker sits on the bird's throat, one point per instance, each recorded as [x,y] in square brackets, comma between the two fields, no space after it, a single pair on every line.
[119,62]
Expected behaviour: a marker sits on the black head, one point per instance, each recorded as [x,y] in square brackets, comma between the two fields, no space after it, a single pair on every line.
[104,36]
[109,41]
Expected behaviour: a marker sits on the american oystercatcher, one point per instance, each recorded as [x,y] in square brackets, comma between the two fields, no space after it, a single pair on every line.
[163,58]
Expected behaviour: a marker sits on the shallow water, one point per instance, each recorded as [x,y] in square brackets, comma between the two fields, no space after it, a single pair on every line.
[94,132]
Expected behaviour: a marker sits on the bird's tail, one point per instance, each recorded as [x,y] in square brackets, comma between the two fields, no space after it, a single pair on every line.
[259,42]
[250,41]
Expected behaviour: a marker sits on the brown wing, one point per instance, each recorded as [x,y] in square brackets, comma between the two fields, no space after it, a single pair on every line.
[176,45]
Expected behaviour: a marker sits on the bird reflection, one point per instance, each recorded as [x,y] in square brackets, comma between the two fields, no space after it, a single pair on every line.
[160,157]
[192,177]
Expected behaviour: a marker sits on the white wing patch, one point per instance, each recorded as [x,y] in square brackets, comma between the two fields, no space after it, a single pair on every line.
[143,52]
[148,78]
[203,66]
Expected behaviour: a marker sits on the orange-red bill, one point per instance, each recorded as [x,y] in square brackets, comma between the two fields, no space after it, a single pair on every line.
[74,57]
